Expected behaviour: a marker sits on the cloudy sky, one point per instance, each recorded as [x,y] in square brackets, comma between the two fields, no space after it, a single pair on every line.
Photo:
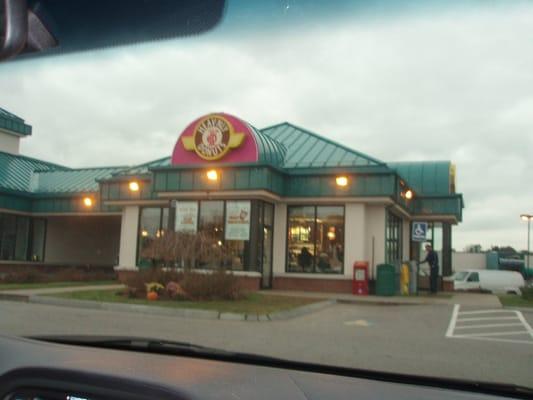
[439,82]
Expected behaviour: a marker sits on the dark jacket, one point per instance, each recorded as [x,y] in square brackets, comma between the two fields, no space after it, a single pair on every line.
[432,258]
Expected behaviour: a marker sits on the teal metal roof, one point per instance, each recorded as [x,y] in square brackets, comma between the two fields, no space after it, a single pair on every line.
[305,149]
[144,168]
[16,171]
[426,178]
[70,181]
[14,124]
[270,150]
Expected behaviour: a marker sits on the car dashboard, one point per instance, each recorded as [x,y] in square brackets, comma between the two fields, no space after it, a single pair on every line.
[37,370]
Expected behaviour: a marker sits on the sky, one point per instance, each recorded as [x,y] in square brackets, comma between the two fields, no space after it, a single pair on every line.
[437,82]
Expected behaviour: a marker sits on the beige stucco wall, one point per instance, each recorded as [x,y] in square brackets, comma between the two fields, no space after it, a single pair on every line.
[128,238]
[355,237]
[375,236]
[82,240]
[9,143]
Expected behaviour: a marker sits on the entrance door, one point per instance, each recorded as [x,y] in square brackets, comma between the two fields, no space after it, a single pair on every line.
[266,279]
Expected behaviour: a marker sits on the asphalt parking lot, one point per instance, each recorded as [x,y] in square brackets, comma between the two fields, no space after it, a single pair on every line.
[409,338]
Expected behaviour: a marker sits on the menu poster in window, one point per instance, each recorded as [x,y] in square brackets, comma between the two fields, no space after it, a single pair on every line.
[238,220]
[186,216]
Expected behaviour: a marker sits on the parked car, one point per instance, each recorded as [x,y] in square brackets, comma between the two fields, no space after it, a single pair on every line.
[489,280]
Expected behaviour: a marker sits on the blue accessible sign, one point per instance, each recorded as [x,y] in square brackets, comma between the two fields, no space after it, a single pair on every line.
[418,233]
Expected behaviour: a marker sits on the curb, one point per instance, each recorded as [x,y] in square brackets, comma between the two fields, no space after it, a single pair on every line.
[176,312]
[14,297]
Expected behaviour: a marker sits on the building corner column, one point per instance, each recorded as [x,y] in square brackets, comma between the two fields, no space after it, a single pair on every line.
[127,259]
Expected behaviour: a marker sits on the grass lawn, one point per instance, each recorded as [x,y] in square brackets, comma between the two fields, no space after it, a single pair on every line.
[253,303]
[512,300]
[41,285]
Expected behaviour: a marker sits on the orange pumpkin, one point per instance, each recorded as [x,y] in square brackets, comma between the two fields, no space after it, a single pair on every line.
[152,296]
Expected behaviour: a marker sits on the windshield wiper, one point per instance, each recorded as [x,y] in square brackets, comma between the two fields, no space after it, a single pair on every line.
[168,347]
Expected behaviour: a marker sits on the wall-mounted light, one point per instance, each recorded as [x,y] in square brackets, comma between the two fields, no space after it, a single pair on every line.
[88,202]
[408,194]
[212,175]
[341,181]
[144,233]
[134,186]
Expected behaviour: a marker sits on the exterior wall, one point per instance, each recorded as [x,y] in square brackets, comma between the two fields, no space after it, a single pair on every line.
[462,261]
[355,237]
[82,240]
[9,143]
[128,238]
[375,236]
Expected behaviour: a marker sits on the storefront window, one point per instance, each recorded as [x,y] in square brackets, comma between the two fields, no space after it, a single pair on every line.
[21,243]
[330,239]
[211,231]
[15,238]
[151,226]
[226,232]
[37,239]
[315,239]
[8,235]
[393,239]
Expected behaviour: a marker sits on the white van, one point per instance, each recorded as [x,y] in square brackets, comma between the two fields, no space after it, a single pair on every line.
[493,281]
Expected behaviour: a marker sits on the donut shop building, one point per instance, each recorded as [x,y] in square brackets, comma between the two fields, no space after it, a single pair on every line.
[291,209]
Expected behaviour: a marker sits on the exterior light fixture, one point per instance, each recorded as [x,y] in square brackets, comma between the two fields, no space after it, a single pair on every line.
[219,242]
[87,202]
[212,175]
[134,186]
[144,233]
[408,194]
[341,181]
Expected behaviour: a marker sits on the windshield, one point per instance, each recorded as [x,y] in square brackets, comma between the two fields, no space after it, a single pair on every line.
[288,183]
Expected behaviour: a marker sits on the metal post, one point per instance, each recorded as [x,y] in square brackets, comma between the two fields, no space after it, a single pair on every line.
[528,230]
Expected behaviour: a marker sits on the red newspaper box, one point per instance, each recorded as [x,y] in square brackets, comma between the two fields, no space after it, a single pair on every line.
[360,278]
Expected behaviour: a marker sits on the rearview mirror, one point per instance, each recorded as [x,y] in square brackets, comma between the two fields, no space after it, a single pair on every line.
[30,28]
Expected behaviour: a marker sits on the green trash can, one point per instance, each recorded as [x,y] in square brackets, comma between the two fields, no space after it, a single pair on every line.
[385,280]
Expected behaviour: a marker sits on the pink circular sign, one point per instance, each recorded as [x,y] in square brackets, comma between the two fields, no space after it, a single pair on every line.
[216,137]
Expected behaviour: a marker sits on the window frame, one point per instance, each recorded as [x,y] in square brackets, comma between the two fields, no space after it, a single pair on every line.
[315,206]
[398,223]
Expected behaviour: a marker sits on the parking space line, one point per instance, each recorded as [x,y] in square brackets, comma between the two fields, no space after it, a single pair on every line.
[487,312]
[526,325]
[484,319]
[488,325]
[459,326]
[497,339]
[453,321]
[492,334]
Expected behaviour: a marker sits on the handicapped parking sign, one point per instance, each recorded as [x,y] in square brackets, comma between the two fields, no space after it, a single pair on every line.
[419,230]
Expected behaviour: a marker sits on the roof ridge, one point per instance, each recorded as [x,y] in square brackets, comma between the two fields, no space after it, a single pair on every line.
[10,114]
[84,169]
[35,159]
[333,142]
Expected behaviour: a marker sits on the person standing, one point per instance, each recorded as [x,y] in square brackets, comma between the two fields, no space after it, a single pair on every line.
[432,258]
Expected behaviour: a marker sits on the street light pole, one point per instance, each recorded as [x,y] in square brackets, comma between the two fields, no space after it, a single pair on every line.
[528,218]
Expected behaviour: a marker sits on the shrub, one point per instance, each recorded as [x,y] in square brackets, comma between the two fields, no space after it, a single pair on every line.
[218,285]
[136,282]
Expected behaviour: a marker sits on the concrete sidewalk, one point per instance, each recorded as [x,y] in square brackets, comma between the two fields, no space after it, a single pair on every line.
[465,299]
